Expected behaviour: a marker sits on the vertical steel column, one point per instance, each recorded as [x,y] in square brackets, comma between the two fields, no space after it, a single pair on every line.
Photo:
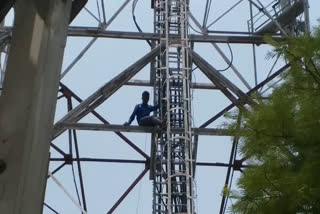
[173,177]
[73,133]
[251,29]
[306,15]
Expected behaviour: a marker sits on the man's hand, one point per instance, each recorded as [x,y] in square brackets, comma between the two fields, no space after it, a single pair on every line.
[126,124]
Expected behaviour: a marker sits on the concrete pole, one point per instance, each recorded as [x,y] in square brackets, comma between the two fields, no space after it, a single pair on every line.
[27,105]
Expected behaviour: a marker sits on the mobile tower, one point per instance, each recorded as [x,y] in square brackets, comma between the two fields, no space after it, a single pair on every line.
[172,162]
[173,57]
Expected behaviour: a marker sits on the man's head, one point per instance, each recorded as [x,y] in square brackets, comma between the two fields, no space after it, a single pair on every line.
[145,97]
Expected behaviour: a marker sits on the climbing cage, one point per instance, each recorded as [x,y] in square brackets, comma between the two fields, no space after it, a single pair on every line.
[172,163]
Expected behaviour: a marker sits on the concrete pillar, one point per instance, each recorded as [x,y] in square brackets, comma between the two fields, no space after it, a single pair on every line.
[27,105]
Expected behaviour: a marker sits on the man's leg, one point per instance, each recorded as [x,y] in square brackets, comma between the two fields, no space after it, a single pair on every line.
[150,121]
[146,121]
[156,121]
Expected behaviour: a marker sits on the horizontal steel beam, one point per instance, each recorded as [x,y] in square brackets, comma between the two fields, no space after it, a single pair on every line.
[96,32]
[220,164]
[101,160]
[147,83]
[137,129]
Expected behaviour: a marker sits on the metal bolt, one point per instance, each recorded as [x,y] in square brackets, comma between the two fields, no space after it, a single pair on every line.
[3,166]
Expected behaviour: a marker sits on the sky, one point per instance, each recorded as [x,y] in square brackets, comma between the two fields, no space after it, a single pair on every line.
[105,182]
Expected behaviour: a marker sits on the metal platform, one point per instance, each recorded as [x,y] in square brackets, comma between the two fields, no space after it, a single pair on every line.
[284,17]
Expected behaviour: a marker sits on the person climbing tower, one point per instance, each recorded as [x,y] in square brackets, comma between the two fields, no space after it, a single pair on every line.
[142,112]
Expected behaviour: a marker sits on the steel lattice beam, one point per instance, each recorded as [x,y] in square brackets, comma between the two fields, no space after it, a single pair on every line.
[228,108]
[94,32]
[97,32]
[126,161]
[137,129]
[220,81]
[147,83]
[135,182]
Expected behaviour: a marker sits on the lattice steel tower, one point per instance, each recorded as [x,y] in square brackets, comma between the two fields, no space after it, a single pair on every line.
[173,177]
[31,80]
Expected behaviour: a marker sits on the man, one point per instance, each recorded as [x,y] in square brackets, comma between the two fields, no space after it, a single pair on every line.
[142,111]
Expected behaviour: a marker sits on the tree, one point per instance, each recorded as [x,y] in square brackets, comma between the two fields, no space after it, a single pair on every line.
[283,135]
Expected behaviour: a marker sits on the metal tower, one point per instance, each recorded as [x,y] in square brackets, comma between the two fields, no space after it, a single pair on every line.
[183,51]
[173,177]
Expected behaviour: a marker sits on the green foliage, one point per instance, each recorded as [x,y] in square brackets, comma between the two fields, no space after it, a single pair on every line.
[283,135]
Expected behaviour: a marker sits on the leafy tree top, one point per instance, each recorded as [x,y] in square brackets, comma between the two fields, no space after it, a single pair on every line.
[283,135]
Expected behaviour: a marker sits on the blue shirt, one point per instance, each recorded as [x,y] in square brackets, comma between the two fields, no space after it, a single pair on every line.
[141,111]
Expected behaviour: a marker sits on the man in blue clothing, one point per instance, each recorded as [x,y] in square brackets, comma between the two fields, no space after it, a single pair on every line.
[142,111]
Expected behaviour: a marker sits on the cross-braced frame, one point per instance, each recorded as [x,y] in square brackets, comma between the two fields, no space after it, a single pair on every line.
[176,36]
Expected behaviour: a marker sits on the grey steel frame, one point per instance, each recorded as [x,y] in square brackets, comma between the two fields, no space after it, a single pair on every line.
[220,82]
